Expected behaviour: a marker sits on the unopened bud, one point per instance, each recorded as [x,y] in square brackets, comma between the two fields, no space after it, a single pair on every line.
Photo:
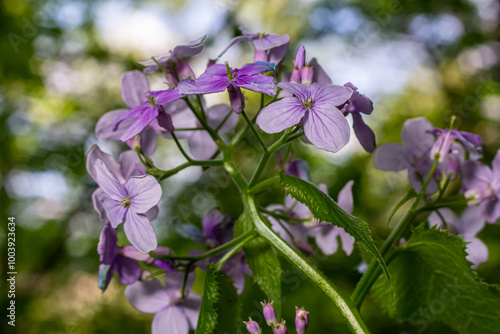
[269,313]
[306,75]
[252,326]
[300,58]
[280,328]
[301,321]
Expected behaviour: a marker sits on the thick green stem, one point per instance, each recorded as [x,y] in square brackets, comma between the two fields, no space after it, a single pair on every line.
[250,125]
[179,146]
[264,184]
[162,175]
[347,308]
[247,237]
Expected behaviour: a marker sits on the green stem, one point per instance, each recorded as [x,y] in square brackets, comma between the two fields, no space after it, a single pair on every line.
[347,308]
[248,236]
[250,125]
[295,136]
[162,175]
[200,119]
[264,184]
[179,146]
[284,217]
[224,120]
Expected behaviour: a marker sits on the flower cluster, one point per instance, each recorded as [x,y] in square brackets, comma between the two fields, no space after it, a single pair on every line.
[301,320]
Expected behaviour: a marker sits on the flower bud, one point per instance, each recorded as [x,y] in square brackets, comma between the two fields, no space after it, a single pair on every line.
[269,313]
[300,58]
[306,75]
[281,328]
[301,320]
[252,326]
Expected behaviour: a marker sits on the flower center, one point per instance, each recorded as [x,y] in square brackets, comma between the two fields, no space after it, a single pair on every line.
[261,34]
[228,71]
[308,104]
[125,202]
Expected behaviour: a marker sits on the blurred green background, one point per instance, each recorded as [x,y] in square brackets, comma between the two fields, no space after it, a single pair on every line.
[60,69]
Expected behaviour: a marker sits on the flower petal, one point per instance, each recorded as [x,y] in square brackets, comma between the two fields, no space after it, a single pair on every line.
[212,81]
[191,308]
[332,95]
[94,154]
[416,134]
[257,83]
[363,132]
[129,271]
[217,113]
[281,115]
[133,88]
[130,164]
[234,41]
[144,192]
[104,127]
[345,199]
[303,92]
[201,145]
[477,252]
[391,157]
[115,212]
[326,239]
[147,296]
[108,182]
[270,41]
[147,116]
[140,232]
[326,127]
[491,209]
[97,200]
[170,320]
[320,75]
[475,175]
[107,245]
[277,54]
[347,240]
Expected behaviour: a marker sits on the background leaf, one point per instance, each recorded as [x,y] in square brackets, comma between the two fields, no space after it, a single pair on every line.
[432,280]
[264,263]
[324,208]
[220,307]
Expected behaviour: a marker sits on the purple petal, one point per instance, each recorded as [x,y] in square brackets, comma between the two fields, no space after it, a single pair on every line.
[152,213]
[104,127]
[281,115]
[320,75]
[148,141]
[144,192]
[302,91]
[132,113]
[326,127]
[277,54]
[165,96]
[270,41]
[95,154]
[416,134]
[234,41]
[477,252]
[170,320]
[130,164]
[129,270]
[140,123]
[326,239]
[298,168]
[257,83]
[470,223]
[236,98]
[332,95]
[140,232]
[358,103]
[491,209]
[347,240]
[187,50]
[201,145]
[133,88]
[345,199]
[217,113]
[108,182]
[475,175]
[365,135]
[106,248]
[495,166]
[212,81]
[253,69]
[147,296]
[114,210]
[391,157]
[191,308]
[99,206]
[106,273]
[448,215]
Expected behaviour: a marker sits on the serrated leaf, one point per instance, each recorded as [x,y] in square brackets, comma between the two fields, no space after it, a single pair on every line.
[261,259]
[432,280]
[324,208]
[220,307]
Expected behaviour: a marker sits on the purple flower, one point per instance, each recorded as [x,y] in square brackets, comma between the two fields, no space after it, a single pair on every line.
[305,73]
[316,107]
[446,138]
[269,313]
[301,321]
[268,47]
[172,313]
[252,326]
[482,185]
[175,62]
[326,235]
[298,168]
[358,104]
[468,225]
[201,145]
[134,86]
[218,78]
[128,203]
[112,260]
[413,155]
[150,109]
[280,328]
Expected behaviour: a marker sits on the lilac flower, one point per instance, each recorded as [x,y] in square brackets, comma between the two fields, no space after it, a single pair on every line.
[301,321]
[413,155]
[280,328]
[201,145]
[326,235]
[446,138]
[175,62]
[252,326]
[482,185]
[218,78]
[269,313]
[357,104]
[128,203]
[172,313]
[468,225]
[268,47]
[134,86]
[150,109]
[324,125]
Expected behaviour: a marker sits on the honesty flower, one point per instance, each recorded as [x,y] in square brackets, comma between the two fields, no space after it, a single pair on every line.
[134,86]
[482,185]
[358,104]
[469,224]
[173,314]
[301,321]
[268,47]
[316,107]
[413,155]
[446,138]
[128,203]
[218,78]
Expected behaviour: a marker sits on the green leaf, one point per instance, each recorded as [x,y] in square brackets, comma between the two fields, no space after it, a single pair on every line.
[261,259]
[325,209]
[432,280]
[220,307]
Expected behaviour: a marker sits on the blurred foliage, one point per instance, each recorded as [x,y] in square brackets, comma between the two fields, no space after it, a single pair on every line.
[58,75]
